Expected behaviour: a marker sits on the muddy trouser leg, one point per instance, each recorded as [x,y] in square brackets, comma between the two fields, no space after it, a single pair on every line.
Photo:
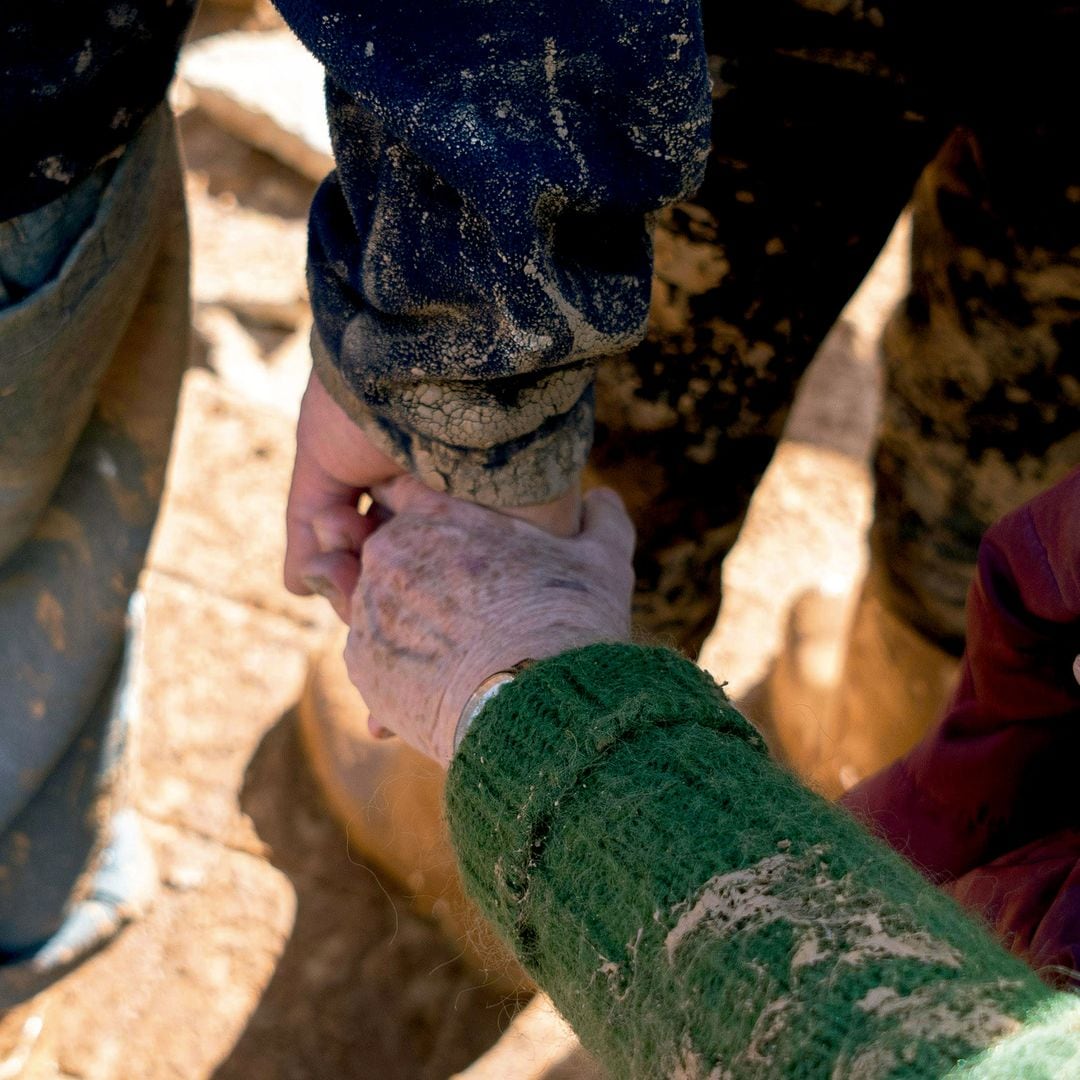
[982,409]
[815,154]
[93,339]
[982,403]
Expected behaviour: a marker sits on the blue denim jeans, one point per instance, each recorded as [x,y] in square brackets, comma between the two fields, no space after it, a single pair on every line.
[94,326]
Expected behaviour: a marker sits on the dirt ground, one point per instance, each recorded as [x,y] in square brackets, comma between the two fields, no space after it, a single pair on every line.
[271,951]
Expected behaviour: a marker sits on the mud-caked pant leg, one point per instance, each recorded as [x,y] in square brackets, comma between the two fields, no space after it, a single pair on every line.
[982,406]
[982,366]
[93,340]
[818,140]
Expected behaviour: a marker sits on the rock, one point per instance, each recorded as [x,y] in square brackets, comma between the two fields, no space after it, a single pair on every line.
[266,89]
[806,526]
[227,484]
[289,366]
[389,798]
[219,164]
[274,379]
[270,951]
[20,1040]
[249,261]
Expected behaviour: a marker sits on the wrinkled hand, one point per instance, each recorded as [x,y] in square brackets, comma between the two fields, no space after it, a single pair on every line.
[452,593]
[335,464]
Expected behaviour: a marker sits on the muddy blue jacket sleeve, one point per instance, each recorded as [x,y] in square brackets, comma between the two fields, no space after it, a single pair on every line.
[485,236]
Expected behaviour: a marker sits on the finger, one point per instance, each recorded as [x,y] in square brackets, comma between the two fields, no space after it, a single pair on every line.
[606,521]
[406,494]
[342,528]
[334,576]
[312,494]
[1076,669]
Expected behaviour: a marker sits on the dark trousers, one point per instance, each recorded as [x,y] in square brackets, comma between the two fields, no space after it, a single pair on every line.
[827,119]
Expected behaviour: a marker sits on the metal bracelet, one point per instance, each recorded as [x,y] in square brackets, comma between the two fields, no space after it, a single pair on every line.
[482,695]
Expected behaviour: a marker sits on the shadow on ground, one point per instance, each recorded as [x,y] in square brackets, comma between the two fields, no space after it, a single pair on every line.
[364,988]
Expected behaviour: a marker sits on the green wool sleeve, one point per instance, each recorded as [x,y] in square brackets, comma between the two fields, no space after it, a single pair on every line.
[695,913]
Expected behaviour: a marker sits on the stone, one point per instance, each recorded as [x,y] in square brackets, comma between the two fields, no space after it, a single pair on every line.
[807,522]
[270,950]
[538,1045]
[267,89]
[389,799]
[221,673]
[247,260]
[228,480]
[274,379]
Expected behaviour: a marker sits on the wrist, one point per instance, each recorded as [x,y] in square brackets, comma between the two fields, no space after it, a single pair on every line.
[485,692]
[560,517]
[467,689]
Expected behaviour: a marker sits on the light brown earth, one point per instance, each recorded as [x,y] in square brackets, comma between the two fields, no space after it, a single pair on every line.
[271,951]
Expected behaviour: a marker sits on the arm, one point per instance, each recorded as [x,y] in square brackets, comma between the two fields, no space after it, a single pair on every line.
[694,912]
[998,769]
[985,803]
[484,240]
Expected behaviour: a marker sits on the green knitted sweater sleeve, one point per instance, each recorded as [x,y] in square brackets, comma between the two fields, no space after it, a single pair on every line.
[695,913]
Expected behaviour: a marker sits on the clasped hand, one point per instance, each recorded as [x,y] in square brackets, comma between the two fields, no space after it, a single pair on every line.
[439,593]
[451,593]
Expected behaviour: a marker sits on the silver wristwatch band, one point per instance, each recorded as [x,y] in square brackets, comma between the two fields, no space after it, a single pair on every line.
[482,695]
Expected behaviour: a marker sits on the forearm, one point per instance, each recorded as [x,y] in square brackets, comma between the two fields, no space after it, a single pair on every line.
[689,906]
[484,239]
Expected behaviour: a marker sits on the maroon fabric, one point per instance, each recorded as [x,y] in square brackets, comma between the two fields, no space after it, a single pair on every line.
[987,803]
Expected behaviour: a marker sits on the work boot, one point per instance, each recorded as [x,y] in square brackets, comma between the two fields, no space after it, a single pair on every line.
[389,798]
[853,689]
[75,867]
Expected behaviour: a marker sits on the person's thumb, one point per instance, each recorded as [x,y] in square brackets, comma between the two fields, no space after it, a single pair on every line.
[606,521]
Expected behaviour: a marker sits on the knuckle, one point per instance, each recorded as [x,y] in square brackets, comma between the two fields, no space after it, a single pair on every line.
[380,548]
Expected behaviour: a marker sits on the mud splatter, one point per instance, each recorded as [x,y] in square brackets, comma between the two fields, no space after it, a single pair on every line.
[966,1014]
[787,889]
[690,1065]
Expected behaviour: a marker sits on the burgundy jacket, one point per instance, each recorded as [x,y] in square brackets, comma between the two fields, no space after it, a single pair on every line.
[987,804]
